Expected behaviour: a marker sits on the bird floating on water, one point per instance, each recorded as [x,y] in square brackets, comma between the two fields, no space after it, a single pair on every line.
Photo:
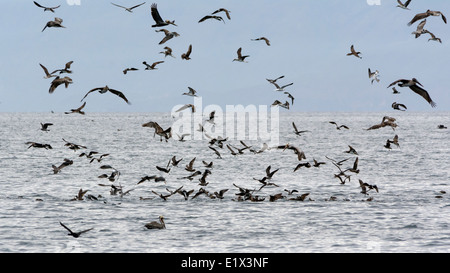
[413,84]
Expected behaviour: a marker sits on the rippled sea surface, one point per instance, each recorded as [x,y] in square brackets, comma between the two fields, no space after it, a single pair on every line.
[410,213]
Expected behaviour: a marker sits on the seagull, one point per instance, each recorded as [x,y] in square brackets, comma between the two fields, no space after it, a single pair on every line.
[158,130]
[169,35]
[156,225]
[181,138]
[353,52]
[38,145]
[128,9]
[433,37]
[396,106]
[340,126]
[186,106]
[152,66]
[191,92]
[354,169]
[58,81]
[419,31]
[190,166]
[80,195]
[215,151]
[105,89]
[44,126]
[278,88]
[351,150]
[66,68]
[296,131]
[125,71]
[264,39]
[227,12]
[374,75]
[55,23]
[405,5]
[185,56]
[290,96]
[47,74]
[413,84]
[394,141]
[167,52]
[52,9]
[159,22]
[66,162]
[74,234]
[274,80]
[240,57]
[218,18]
[364,186]
[279,103]
[426,14]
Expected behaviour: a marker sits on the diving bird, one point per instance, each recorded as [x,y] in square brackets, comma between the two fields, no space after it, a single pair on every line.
[168,35]
[75,234]
[186,56]
[156,225]
[374,76]
[398,106]
[159,22]
[403,5]
[354,52]
[58,81]
[55,23]
[218,18]
[128,9]
[103,90]
[263,39]
[191,92]
[47,74]
[240,57]
[152,66]
[413,84]
[227,12]
[52,9]
[426,14]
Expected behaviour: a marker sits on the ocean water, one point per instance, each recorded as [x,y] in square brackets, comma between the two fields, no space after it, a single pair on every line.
[409,213]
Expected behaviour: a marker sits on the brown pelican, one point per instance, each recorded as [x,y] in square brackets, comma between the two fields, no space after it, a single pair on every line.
[263,39]
[403,6]
[296,131]
[159,22]
[58,81]
[387,121]
[128,9]
[227,12]
[413,84]
[396,106]
[374,76]
[185,56]
[240,57]
[74,234]
[105,89]
[66,68]
[338,127]
[354,53]
[426,14]
[275,197]
[55,23]
[433,37]
[44,126]
[167,52]
[52,9]
[218,18]
[169,35]
[125,71]
[420,29]
[186,106]
[152,66]
[156,225]
[47,74]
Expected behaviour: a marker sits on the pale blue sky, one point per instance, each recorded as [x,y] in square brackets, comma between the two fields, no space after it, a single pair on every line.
[309,42]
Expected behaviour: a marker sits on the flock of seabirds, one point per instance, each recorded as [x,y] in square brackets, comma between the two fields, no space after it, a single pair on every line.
[220,145]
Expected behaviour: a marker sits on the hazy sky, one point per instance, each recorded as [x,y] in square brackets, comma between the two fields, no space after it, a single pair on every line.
[309,43]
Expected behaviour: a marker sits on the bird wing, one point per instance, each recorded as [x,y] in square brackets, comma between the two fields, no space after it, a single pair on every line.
[155,14]
[155,63]
[37,4]
[84,231]
[394,83]
[289,84]
[68,64]
[119,6]
[81,107]
[45,69]
[239,52]
[137,5]
[421,25]
[407,3]
[66,227]
[189,50]
[205,18]
[92,90]
[165,39]
[120,94]
[417,17]
[183,107]
[422,92]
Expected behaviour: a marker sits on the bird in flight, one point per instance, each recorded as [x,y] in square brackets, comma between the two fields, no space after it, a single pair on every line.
[105,89]
[414,85]
[169,35]
[354,52]
[420,29]
[186,56]
[75,234]
[47,74]
[218,18]
[44,126]
[186,106]
[338,127]
[227,12]
[433,37]
[264,39]
[426,14]
[398,106]
[191,92]
[58,81]
[159,22]
[128,9]
[167,52]
[125,71]
[374,75]
[240,57]
[78,110]
[52,9]
[403,5]
[66,69]
[281,88]
[55,23]
[152,66]
[296,131]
